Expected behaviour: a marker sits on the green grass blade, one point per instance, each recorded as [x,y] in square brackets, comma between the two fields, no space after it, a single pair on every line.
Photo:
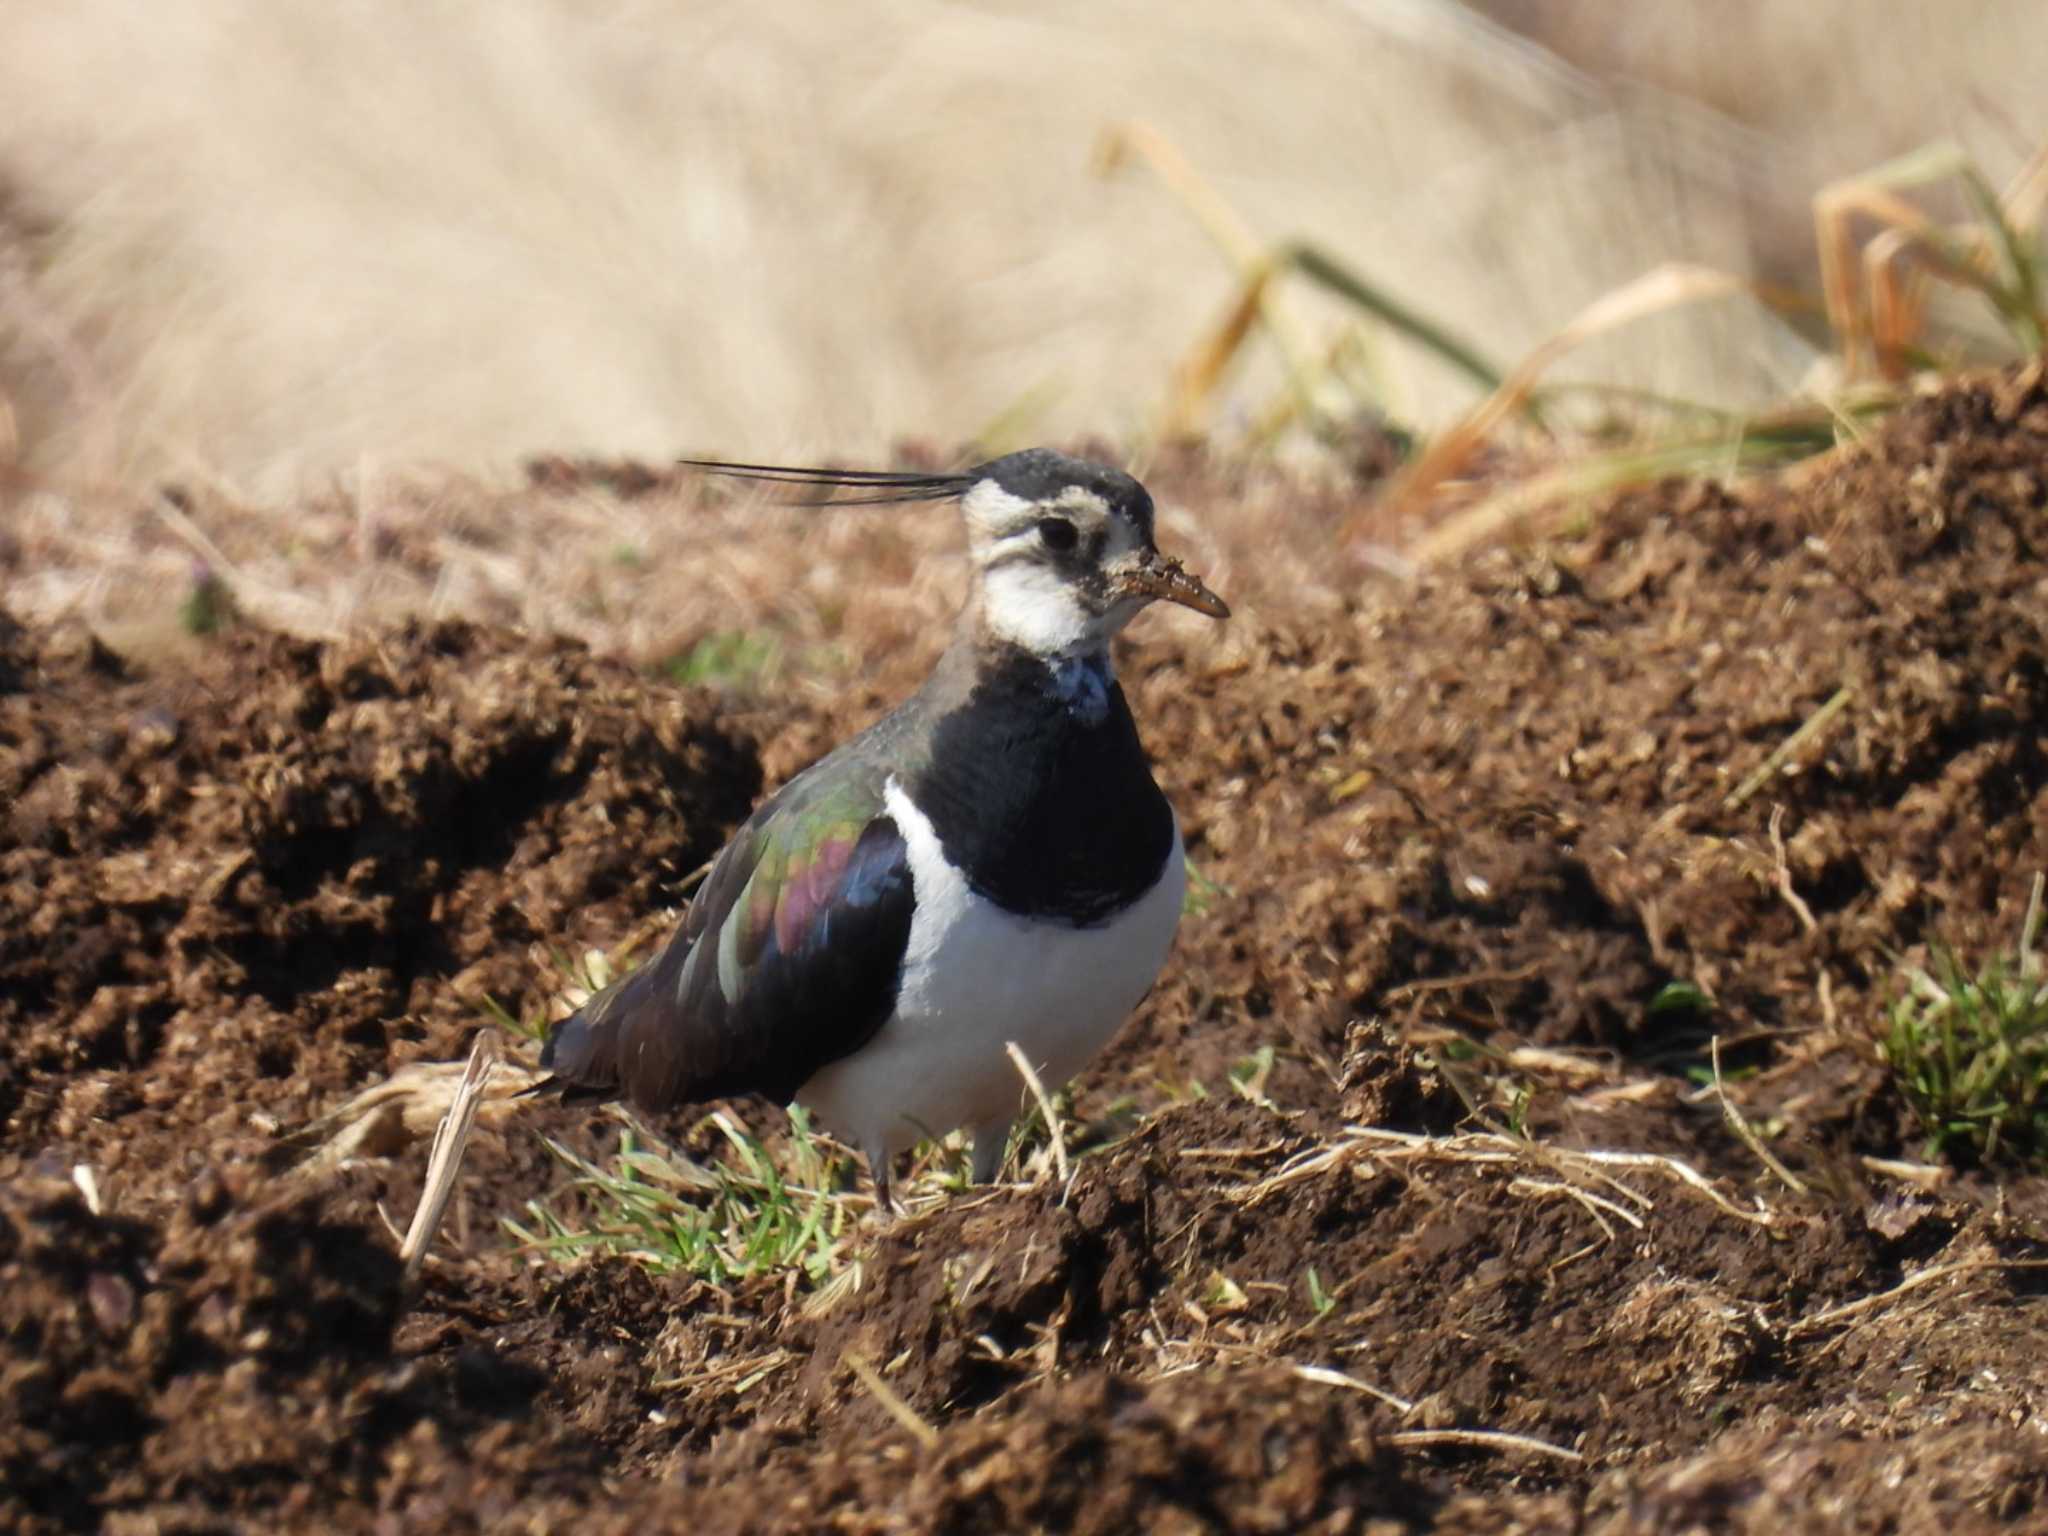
[2021,291]
[1332,274]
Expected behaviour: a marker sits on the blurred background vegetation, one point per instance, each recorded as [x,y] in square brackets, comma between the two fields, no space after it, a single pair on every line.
[250,243]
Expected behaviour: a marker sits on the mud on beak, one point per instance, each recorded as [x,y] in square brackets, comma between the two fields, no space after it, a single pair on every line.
[1155,576]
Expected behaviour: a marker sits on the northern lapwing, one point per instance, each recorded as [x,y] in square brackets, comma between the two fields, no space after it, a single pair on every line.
[991,862]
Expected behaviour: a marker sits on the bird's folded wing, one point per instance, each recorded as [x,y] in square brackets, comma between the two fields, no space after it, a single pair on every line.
[789,960]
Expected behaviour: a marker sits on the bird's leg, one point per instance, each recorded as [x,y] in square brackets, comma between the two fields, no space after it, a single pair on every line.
[991,1141]
[878,1170]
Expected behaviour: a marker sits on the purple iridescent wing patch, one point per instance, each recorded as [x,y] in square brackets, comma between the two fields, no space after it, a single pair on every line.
[802,860]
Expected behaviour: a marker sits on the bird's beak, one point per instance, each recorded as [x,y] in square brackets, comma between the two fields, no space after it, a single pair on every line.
[1155,576]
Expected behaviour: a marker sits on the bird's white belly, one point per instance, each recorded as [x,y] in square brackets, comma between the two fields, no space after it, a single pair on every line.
[976,977]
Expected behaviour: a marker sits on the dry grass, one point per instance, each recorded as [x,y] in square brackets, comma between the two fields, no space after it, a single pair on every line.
[647,577]
[461,235]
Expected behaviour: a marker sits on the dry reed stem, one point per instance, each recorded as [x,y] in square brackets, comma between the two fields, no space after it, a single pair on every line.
[444,1162]
[1255,264]
[1884,312]
[1920,1175]
[1666,287]
[1682,1171]
[1738,1123]
[388,1116]
[1808,729]
[1326,1376]
[1898,300]
[1781,875]
[1848,1310]
[891,1401]
[1053,1128]
[87,1183]
[725,1371]
[1593,1203]
[1484,1439]
[1197,374]
[1485,1148]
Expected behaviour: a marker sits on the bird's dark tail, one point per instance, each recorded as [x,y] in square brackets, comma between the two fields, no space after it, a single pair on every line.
[582,1053]
[625,1042]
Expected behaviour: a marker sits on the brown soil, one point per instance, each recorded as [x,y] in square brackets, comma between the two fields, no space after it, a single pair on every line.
[1455,840]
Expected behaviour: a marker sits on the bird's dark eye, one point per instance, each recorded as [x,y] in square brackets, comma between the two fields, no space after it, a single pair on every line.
[1058,534]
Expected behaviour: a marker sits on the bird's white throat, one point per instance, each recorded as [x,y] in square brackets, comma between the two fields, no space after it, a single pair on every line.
[1033,607]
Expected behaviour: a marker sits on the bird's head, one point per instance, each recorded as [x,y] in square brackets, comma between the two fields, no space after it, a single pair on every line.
[1062,548]
[1063,553]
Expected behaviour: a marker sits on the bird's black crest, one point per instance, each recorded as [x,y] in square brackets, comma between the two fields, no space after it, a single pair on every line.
[1035,474]
[880,486]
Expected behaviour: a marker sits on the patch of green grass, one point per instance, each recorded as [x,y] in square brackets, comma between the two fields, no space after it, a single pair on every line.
[749,1213]
[1201,892]
[1969,1050]
[1223,1294]
[532,1027]
[209,607]
[1680,997]
[1248,1075]
[740,659]
[1520,1097]
[595,969]
[1701,1074]
[1319,1299]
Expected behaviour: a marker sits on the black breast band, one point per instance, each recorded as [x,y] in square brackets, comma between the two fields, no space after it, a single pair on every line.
[1049,811]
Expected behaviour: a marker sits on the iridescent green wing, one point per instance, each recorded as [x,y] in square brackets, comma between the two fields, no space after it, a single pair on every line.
[789,959]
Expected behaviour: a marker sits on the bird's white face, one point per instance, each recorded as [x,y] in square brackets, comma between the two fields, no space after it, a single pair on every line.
[1058,575]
